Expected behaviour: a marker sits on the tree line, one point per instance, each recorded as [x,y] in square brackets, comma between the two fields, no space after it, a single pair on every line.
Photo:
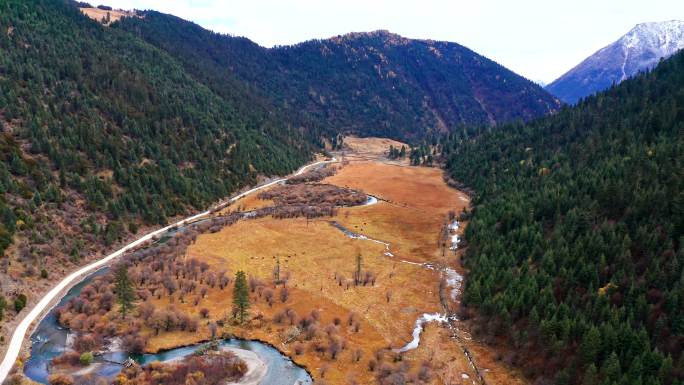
[575,242]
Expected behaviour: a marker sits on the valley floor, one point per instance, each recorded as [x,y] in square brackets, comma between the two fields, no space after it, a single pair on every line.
[361,295]
[403,242]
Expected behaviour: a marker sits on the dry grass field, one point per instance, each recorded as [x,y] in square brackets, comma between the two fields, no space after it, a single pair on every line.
[250,202]
[101,14]
[371,145]
[368,149]
[410,216]
[414,211]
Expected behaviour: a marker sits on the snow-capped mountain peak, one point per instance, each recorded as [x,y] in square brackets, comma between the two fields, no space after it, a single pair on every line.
[649,42]
[639,50]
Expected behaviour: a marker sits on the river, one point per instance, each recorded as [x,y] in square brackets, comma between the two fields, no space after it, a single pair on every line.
[49,340]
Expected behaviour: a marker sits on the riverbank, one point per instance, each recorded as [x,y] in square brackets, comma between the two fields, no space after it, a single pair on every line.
[256,368]
[17,343]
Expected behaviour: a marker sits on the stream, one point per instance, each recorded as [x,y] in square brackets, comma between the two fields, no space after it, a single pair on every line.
[452,277]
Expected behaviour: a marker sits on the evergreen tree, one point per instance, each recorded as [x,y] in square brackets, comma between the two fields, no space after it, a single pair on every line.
[240,296]
[125,294]
[566,243]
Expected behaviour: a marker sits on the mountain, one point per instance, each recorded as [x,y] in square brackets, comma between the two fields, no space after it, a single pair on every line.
[375,83]
[639,50]
[115,124]
[102,133]
[575,250]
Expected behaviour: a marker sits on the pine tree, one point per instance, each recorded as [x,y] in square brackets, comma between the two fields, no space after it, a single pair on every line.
[240,296]
[124,290]
[591,345]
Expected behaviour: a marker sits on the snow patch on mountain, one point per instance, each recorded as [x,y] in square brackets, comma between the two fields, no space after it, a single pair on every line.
[647,43]
[639,50]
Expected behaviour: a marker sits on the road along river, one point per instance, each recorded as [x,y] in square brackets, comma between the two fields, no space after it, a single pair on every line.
[51,297]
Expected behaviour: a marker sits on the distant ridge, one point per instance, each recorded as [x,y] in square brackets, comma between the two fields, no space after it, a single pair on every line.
[367,83]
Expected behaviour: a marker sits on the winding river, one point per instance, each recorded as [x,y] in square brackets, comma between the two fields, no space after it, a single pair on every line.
[35,313]
[49,340]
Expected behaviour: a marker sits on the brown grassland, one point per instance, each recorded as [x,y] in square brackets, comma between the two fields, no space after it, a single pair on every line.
[410,216]
[101,14]
[371,145]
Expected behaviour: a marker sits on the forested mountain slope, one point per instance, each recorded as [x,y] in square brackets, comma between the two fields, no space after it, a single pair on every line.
[102,132]
[575,244]
[374,83]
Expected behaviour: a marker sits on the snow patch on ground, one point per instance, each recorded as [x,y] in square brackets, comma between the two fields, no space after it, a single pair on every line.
[454,281]
[453,228]
[370,201]
[418,329]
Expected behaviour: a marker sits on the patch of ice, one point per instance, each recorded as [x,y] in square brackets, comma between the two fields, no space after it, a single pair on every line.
[453,228]
[454,241]
[70,338]
[418,329]
[365,238]
[114,345]
[370,201]
[412,263]
[454,281]
[465,376]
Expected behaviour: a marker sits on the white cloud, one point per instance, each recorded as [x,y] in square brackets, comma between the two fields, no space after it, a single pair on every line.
[539,39]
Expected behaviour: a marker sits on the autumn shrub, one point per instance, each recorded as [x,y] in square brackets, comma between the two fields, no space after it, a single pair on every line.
[86,358]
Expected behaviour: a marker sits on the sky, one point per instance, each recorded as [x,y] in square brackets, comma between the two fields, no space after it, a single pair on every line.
[539,39]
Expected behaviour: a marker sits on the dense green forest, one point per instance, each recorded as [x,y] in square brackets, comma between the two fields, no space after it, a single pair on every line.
[575,243]
[122,122]
[375,83]
[102,133]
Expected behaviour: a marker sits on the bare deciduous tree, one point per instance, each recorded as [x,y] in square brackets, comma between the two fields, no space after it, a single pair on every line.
[284,294]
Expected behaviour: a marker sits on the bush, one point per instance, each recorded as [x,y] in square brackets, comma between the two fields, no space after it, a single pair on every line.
[84,343]
[20,302]
[3,305]
[67,358]
[43,274]
[86,358]
[60,379]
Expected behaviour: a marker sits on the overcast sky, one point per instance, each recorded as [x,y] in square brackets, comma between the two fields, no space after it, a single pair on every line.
[539,39]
